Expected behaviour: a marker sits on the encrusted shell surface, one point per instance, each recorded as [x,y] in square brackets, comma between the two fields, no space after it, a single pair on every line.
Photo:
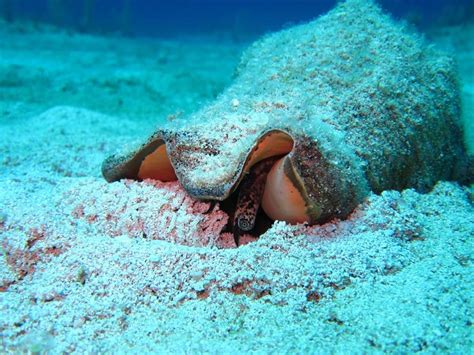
[367,105]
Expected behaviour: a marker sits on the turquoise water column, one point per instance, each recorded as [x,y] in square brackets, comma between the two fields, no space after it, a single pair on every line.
[87,11]
[126,25]
[56,12]
[6,10]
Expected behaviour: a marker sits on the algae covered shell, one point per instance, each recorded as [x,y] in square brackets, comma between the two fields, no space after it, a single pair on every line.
[349,103]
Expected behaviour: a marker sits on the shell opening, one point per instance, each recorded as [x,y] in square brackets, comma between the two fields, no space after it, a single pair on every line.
[157,166]
[280,198]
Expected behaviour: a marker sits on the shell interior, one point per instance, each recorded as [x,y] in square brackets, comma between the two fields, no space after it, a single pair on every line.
[281,199]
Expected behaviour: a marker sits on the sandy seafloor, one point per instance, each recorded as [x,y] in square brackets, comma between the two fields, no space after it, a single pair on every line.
[89,266]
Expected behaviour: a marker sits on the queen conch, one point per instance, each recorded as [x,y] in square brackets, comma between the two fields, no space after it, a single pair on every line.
[318,116]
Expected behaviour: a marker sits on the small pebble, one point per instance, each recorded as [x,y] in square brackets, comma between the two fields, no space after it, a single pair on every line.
[196,274]
[155,258]
[180,297]
[235,103]
[81,275]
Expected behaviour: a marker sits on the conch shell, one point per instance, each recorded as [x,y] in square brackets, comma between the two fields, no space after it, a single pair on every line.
[318,116]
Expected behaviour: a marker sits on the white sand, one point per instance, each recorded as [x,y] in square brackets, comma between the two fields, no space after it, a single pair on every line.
[140,267]
[42,67]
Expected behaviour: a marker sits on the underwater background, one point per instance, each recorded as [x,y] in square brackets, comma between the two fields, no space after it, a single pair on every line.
[241,19]
[127,267]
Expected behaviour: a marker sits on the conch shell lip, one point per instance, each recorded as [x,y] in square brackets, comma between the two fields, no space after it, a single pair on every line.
[261,149]
[128,166]
[272,142]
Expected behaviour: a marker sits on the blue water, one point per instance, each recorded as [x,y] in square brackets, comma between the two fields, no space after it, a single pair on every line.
[242,18]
